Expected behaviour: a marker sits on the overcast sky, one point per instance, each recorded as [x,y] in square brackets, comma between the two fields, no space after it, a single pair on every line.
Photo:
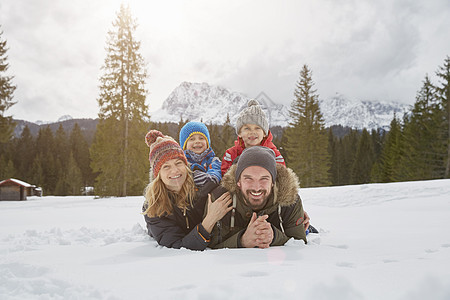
[362,49]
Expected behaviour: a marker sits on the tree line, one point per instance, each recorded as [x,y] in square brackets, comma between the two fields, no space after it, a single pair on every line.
[58,162]
[416,147]
[116,162]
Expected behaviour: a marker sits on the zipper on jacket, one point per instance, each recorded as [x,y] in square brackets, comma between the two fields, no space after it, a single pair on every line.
[219,229]
[281,220]
[185,216]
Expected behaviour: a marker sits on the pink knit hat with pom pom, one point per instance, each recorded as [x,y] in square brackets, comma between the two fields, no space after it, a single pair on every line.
[162,149]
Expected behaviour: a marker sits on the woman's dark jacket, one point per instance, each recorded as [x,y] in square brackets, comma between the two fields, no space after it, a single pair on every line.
[182,231]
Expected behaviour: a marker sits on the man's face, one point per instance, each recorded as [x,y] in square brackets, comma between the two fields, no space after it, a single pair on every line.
[255,184]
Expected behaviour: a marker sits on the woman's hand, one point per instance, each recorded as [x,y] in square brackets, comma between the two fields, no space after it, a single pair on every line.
[216,210]
[306,219]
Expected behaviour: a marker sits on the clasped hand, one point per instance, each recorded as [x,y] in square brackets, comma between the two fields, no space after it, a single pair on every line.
[259,233]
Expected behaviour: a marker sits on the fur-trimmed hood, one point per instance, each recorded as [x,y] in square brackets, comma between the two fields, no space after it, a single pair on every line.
[286,185]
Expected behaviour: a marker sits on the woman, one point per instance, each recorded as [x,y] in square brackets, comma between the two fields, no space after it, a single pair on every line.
[173,207]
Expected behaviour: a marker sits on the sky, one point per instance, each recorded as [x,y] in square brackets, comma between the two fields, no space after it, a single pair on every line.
[375,241]
[362,49]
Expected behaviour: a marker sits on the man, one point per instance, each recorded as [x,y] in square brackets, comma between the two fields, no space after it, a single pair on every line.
[267,210]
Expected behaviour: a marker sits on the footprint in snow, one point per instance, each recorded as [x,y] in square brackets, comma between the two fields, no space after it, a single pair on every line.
[345,265]
[254,274]
[183,287]
[445,245]
[339,246]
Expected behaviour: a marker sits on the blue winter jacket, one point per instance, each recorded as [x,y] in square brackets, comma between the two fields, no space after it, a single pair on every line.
[206,166]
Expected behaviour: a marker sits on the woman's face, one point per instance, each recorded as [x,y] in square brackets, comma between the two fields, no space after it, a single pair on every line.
[173,174]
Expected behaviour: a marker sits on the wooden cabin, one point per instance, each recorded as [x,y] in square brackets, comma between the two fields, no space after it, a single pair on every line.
[15,190]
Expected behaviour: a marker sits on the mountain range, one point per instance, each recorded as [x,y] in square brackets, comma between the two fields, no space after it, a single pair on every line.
[212,104]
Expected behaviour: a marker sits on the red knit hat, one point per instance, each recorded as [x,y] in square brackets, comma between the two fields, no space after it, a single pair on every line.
[162,149]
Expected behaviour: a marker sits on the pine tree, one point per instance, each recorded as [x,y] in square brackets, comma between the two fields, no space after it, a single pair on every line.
[6,95]
[362,165]
[80,151]
[222,137]
[334,149]
[216,138]
[349,145]
[444,98]
[388,168]
[73,177]
[424,150]
[181,123]
[25,153]
[7,169]
[378,137]
[118,152]
[307,141]
[37,172]
[46,163]
[60,154]
[228,135]
[61,150]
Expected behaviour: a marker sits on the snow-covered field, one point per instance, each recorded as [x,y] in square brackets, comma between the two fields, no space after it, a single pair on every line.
[376,241]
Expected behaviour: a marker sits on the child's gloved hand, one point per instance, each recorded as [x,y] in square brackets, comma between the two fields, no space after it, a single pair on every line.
[198,167]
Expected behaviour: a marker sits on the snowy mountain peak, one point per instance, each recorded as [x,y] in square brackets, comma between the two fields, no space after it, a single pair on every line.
[61,119]
[65,118]
[211,104]
[359,114]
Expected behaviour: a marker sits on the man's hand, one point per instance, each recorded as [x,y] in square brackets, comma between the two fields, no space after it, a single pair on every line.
[259,233]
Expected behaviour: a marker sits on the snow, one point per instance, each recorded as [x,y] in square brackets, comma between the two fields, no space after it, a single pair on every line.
[17,181]
[376,241]
[65,118]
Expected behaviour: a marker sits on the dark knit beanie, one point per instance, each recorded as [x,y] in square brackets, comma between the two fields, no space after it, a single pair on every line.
[191,128]
[162,149]
[252,114]
[257,156]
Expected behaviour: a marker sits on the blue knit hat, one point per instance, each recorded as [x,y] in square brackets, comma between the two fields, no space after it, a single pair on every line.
[192,128]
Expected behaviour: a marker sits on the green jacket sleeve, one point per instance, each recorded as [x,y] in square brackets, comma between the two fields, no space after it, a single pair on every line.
[292,223]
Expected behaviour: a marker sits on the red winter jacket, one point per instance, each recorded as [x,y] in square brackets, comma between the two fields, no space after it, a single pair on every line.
[232,153]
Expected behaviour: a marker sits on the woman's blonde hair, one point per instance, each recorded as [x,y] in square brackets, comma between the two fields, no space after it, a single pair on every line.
[157,196]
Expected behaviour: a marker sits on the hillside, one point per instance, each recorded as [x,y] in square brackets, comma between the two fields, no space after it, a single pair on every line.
[87,126]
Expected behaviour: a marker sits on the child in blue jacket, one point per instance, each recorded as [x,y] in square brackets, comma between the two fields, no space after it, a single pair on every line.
[196,143]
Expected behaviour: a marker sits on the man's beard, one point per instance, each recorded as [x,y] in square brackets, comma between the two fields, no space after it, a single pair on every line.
[248,196]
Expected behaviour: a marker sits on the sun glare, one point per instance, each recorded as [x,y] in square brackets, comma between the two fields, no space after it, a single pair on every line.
[165,17]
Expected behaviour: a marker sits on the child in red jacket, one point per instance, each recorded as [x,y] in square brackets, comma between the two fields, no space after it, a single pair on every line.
[252,129]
